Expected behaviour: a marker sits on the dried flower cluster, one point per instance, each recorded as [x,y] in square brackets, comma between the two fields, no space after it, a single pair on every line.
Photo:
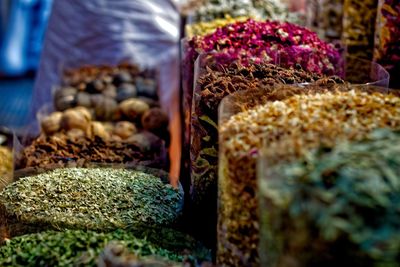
[387,35]
[334,207]
[289,128]
[83,248]
[97,199]
[211,87]
[6,166]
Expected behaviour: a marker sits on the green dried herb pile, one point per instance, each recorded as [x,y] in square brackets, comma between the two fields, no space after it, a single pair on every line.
[295,125]
[211,87]
[334,206]
[82,248]
[97,199]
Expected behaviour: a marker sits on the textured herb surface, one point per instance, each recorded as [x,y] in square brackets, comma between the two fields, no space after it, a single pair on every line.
[6,162]
[335,206]
[96,199]
[289,128]
[81,248]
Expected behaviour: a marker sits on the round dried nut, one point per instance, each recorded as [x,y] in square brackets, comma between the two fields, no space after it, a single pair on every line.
[83,99]
[146,141]
[110,91]
[146,88]
[149,101]
[76,118]
[65,91]
[126,91]
[133,108]
[95,86]
[52,123]
[65,102]
[106,109]
[108,126]
[97,129]
[75,134]
[85,112]
[125,129]
[122,77]
[154,120]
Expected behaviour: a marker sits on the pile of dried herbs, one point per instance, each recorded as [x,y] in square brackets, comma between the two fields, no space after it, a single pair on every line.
[63,150]
[211,87]
[334,207]
[387,35]
[96,199]
[289,128]
[82,248]
[6,166]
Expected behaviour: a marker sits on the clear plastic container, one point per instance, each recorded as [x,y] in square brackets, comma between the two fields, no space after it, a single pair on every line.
[241,139]
[314,211]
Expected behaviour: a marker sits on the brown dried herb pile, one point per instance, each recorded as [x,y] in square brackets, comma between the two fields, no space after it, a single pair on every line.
[296,125]
[6,166]
[211,88]
[100,199]
[61,150]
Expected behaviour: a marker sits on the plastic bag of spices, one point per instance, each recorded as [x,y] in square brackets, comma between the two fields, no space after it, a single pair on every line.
[104,32]
[325,209]
[387,35]
[359,26]
[296,120]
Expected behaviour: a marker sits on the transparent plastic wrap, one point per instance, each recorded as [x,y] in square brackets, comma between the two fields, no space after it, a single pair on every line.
[387,34]
[359,27]
[314,211]
[298,120]
[325,17]
[99,197]
[235,42]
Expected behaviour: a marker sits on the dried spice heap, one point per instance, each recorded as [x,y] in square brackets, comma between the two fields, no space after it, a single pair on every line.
[387,35]
[97,199]
[82,248]
[211,88]
[359,27]
[48,152]
[325,17]
[289,128]
[334,207]
[204,28]
[6,166]
[262,9]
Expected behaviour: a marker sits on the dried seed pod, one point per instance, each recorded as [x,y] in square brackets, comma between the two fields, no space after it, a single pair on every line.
[76,118]
[125,129]
[155,120]
[52,123]
[133,108]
